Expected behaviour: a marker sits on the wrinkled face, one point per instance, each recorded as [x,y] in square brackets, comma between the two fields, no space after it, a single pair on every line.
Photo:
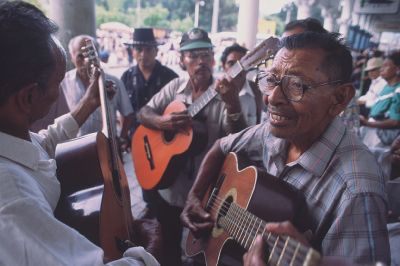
[198,63]
[50,95]
[305,120]
[389,69]
[145,55]
[78,59]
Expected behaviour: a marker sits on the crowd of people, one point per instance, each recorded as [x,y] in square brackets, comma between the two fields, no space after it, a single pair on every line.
[315,117]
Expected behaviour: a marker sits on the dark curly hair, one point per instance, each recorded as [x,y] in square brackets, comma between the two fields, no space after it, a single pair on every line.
[25,47]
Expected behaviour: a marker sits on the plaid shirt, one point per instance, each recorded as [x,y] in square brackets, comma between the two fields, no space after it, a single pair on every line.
[342,184]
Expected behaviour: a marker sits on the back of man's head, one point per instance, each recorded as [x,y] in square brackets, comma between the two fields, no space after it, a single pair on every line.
[25,47]
[337,62]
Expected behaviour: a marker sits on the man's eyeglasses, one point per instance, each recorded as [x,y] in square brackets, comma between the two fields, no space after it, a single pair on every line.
[292,86]
[205,55]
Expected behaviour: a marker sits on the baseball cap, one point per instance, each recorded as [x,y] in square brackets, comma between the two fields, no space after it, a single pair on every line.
[373,63]
[196,38]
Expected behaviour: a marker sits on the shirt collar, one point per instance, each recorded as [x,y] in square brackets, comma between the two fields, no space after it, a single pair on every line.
[317,157]
[19,150]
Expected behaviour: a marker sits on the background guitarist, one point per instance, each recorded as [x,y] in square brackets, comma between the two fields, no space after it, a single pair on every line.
[305,144]
[32,66]
[221,116]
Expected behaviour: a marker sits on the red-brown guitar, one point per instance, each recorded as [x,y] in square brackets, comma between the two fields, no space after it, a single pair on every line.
[241,202]
[158,155]
[95,197]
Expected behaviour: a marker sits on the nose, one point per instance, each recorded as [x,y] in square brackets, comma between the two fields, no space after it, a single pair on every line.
[277,97]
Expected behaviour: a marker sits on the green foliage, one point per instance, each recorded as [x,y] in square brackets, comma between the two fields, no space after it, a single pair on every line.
[170,14]
[182,25]
[156,17]
[102,16]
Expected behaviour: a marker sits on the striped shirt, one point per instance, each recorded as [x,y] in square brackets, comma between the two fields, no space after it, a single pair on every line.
[342,184]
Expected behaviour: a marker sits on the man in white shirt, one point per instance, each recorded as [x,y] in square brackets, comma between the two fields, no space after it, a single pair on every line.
[377,83]
[250,97]
[32,66]
[76,82]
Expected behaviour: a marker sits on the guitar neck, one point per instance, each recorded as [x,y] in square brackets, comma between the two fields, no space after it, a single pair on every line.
[244,227]
[210,93]
[263,51]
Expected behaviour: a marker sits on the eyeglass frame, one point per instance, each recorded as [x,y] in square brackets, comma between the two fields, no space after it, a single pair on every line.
[200,53]
[279,83]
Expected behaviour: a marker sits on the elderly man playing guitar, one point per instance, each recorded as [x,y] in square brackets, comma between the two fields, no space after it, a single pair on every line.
[304,146]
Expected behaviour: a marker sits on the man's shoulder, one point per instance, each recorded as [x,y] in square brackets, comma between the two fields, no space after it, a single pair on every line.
[134,70]
[358,167]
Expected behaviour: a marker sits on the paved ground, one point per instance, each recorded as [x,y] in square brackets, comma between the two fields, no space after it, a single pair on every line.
[136,193]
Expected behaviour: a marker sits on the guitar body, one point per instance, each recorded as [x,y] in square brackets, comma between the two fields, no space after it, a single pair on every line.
[255,191]
[158,156]
[89,200]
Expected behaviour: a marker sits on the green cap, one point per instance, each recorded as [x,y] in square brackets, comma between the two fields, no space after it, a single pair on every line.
[196,38]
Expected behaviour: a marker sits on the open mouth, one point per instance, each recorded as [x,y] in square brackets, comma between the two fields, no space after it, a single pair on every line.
[278,119]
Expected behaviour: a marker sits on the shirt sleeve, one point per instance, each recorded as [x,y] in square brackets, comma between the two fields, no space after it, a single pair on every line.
[394,111]
[124,105]
[64,128]
[31,235]
[247,142]
[164,97]
[359,230]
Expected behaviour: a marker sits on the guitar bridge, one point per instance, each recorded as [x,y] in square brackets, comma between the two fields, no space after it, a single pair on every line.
[149,155]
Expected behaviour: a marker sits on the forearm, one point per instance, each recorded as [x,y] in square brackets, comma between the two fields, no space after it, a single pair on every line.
[149,118]
[126,125]
[84,109]
[208,170]
[384,124]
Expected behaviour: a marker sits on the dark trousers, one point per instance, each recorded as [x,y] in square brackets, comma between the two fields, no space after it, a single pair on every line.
[171,226]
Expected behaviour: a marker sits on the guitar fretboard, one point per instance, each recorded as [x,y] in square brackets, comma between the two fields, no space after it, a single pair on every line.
[244,227]
[202,101]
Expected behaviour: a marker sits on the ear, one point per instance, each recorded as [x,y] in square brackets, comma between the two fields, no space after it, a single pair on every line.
[27,96]
[181,64]
[340,98]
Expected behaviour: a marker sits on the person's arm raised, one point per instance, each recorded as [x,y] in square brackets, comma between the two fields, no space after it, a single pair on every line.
[89,102]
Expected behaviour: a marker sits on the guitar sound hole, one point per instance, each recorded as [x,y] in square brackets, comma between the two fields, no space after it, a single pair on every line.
[169,135]
[224,209]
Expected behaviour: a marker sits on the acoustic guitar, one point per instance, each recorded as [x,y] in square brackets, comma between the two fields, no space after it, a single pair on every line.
[158,155]
[95,197]
[242,200]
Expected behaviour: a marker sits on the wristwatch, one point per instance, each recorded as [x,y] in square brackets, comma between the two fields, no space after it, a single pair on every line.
[234,117]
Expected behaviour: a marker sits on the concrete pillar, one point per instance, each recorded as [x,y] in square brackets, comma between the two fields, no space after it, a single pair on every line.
[248,23]
[330,13]
[304,8]
[215,14]
[345,18]
[74,18]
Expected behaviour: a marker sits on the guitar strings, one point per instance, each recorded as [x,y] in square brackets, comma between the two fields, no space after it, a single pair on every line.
[291,245]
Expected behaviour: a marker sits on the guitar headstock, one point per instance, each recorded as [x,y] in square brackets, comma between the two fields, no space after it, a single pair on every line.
[90,53]
[264,51]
